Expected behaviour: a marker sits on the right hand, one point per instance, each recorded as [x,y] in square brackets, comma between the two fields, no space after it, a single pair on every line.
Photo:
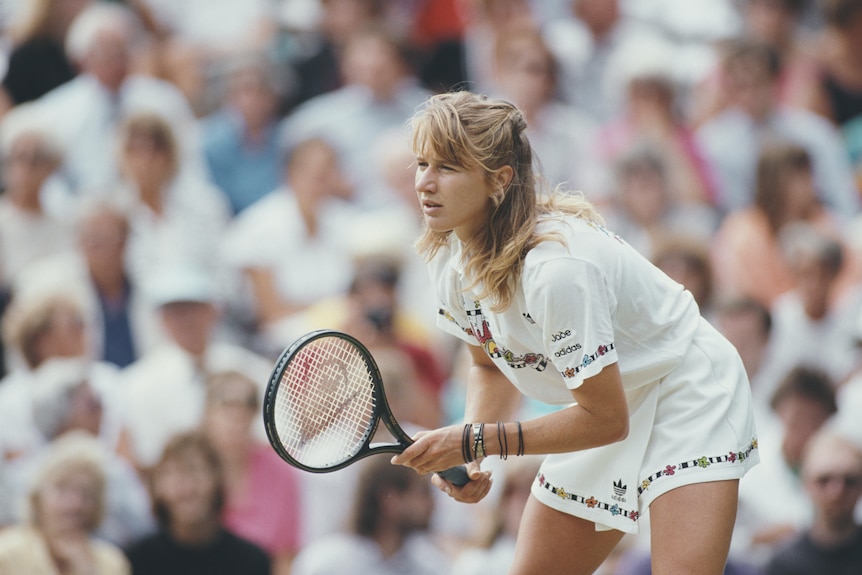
[474,491]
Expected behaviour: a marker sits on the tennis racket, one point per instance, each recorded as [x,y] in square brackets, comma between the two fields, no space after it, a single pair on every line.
[324,402]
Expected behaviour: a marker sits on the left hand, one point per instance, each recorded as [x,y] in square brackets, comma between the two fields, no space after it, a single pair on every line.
[433,450]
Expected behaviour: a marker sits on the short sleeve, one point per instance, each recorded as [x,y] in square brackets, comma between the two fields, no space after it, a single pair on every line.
[573,302]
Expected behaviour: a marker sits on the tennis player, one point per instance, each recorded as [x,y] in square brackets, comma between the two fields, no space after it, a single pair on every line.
[657,412]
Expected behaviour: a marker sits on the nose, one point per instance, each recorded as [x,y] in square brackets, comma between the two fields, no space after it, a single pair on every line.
[425,180]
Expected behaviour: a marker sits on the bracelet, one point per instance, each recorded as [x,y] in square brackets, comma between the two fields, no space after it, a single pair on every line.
[465,444]
[478,440]
[502,440]
[520,439]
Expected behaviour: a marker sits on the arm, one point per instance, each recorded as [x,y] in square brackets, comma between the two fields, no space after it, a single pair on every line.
[600,417]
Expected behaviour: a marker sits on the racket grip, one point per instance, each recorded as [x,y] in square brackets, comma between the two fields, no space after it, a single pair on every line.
[456,475]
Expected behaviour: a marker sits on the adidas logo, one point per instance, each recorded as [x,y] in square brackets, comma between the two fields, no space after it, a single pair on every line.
[619,488]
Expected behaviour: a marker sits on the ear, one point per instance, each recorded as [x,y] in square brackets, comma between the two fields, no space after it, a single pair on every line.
[502,177]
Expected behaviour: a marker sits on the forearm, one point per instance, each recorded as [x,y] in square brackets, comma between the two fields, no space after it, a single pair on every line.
[490,396]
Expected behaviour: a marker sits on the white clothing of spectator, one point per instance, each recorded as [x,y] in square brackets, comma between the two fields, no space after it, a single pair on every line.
[87,109]
[163,391]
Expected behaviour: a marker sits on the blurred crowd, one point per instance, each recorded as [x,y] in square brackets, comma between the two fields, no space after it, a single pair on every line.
[190,185]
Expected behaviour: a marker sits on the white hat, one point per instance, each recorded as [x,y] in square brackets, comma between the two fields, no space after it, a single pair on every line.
[186,284]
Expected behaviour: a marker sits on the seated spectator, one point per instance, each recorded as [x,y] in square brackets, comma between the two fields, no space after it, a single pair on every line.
[241,140]
[772,504]
[65,501]
[28,230]
[176,217]
[188,493]
[87,110]
[832,543]
[189,309]
[642,208]
[808,328]
[74,397]
[746,252]
[732,141]
[686,260]
[263,500]
[303,225]
[388,535]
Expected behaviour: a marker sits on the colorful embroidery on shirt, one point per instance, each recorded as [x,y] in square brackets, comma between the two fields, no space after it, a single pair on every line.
[592,503]
[699,462]
[481,330]
[587,360]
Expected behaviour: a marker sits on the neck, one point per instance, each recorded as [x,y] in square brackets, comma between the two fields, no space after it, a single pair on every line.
[196,534]
[389,540]
[25,201]
[835,533]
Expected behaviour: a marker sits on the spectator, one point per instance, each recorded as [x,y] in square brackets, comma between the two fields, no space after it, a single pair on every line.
[733,140]
[391,510]
[66,501]
[188,493]
[38,62]
[75,397]
[87,110]
[381,92]
[240,140]
[175,216]
[773,507]
[189,308]
[686,260]
[28,231]
[263,502]
[643,209]
[303,225]
[832,543]
[746,252]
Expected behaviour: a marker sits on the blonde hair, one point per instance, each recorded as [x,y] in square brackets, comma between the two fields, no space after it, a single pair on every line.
[475,131]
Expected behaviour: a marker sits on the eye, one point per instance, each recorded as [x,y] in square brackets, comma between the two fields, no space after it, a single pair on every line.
[422,164]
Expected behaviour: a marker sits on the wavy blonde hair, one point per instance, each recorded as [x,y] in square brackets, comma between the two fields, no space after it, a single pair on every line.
[474,131]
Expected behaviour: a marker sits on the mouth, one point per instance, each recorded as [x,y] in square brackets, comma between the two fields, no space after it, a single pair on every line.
[429,206]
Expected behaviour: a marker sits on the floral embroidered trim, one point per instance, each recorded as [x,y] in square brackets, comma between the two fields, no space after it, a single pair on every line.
[701,462]
[590,502]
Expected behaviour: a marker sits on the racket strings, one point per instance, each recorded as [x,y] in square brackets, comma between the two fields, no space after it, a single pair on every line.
[325,407]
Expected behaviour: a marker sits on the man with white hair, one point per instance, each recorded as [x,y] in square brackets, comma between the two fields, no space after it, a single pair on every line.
[86,110]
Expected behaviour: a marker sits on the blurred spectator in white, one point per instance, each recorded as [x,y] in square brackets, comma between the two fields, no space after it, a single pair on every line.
[122,323]
[746,251]
[494,550]
[650,115]
[292,247]
[808,327]
[200,36]
[38,61]
[381,92]
[772,503]
[28,232]
[176,217]
[642,208]
[66,502]
[241,139]
[187,488]
[164,391]
[263,501]
[733,139]
[526,73]
[36,328]
[318,62]
[389,529]
[72,396]
[86,111]
[832,542]
[779,24]
[585,46]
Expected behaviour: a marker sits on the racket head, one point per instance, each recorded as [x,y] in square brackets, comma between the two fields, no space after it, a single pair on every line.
[324,402]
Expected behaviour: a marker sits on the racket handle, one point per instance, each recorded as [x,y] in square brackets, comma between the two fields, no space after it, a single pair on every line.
[456,475]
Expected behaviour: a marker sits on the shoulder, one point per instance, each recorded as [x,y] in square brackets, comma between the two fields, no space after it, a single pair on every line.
[109,558]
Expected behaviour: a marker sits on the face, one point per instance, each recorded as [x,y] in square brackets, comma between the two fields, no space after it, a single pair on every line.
[526,74]
[833,479]
[453,198]
[68,502]
[644,196]
[102,238]
[231,409]
[187,486]
[65,337]
[800,417]
[190,324]
[28,165]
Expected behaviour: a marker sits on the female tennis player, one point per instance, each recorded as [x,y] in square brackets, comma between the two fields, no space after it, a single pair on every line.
[657,412]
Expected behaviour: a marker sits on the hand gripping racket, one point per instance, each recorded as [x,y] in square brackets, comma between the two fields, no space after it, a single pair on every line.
[324,402]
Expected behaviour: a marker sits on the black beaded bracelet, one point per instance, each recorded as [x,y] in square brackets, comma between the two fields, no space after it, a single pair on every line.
[520,439]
